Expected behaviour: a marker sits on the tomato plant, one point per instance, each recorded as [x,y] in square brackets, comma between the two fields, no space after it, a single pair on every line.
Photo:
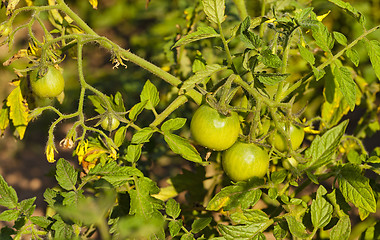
[244,72]
[47,82]
[243,161]
[213,130]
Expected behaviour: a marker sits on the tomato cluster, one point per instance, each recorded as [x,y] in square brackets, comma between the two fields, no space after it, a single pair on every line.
[240,160]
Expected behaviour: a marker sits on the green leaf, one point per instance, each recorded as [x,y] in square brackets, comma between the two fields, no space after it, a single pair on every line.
[318,73]
[271,78]
[351,10]
[182,147]
[346,85]
[269,59]
[199,77]
[322,148]
[340,38]
[248,231]
[41,221]
[201,33]
[322,37]
[26,206]
[50,196]
[342,230]
[150,94]
[133,153]
[373,48]
[119,137]
[175,227]
[199,224]
[280,231]
[355,188]
[18,111]
[98,103]
[187,236]
[136,110]
[278,176]
[66,175]
[62,230]
[142,203]
[306,54]
[214,10]
[248,216]
[173,124]
[9,215]
[297,229]
[172,208]
[321,210]
[353,55]
[115,174]
[242,194]
[8,196]
[142,136]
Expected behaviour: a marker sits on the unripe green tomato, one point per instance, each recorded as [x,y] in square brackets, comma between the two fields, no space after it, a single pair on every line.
[213,130]
[105,124]
[51,84]
[296,134]
[289,163]
[243,161]
[5,29]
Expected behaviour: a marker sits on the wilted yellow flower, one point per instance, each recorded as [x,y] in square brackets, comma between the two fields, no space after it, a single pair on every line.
[49,152]
[81,150]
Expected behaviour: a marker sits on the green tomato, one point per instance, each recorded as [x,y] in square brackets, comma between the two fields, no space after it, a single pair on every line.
[213,130]
[289,163]
[296,134]
[105,124]
[49,85]
[243,161]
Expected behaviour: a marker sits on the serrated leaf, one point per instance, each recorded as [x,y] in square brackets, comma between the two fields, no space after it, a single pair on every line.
[142,136]
[296,228]
[8,196]
[340,38]
[214,10]
[9,215]
[318,73]
[41,221]
[150,94]
[18,111]
[133,153]
[355,188]
[269,59]
[322,148]
[201,33]
[98,103]
[278,176]
[306,54]
[373,48]
[199,224]
[353,55]
[350,9]
[173,124]
[136,110]
[346,85]
[271,78]
[172,208]
[66,175]
[240,231]
[26,206]
[321,211]
[249,216]
[175,227]
[182,147]
[242,194]
[342,230]
[200,76]
[115,174]
[187,236]
[50,196]
[322,37]
[280,231]
[142,203]
[250,39]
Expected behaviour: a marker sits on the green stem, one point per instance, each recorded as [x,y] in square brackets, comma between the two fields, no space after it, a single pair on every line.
[225,44]
[242,9]
[179,101]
